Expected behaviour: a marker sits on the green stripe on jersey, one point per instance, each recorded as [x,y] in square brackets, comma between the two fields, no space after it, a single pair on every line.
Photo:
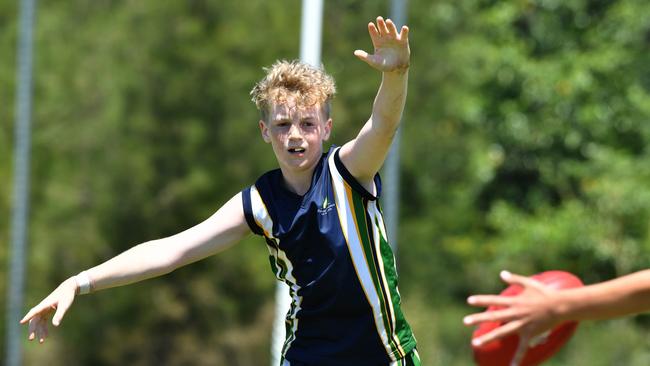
[403,331]
[377,276]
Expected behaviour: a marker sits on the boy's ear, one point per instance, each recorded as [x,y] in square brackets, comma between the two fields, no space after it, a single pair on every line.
[328,129]
[265,131]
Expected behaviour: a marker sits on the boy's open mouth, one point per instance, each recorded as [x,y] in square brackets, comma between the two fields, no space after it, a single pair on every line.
[296,150]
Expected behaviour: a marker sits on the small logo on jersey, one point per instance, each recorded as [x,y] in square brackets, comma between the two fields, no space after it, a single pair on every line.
[325,207]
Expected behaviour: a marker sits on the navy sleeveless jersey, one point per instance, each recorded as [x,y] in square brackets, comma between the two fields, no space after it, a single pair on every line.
[330,247]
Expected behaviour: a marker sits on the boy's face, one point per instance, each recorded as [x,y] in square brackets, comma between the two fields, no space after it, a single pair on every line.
[296,134]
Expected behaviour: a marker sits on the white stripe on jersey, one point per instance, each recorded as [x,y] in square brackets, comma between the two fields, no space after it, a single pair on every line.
[264,220]
[355,247]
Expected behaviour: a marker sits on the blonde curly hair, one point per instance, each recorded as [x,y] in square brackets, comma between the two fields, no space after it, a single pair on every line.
[304,83]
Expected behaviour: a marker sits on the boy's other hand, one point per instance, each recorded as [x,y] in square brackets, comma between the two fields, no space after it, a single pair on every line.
[392,51]
[58,301]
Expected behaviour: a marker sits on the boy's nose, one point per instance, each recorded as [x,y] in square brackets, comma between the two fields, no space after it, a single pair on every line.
[294,131]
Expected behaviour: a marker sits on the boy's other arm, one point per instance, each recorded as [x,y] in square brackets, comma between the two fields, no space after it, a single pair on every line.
[150,259]
[157,257]
[364,155]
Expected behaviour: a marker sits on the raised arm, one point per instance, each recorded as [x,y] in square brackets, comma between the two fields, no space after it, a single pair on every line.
[540,308]
[146,260]
[364,155]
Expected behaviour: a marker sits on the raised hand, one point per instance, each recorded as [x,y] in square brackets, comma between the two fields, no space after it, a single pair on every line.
[392,53]
[58,301]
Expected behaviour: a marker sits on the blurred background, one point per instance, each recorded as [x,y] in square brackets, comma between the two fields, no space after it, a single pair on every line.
[525,147]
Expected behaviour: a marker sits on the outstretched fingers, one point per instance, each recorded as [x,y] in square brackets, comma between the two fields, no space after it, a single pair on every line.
[498,333]
[404,34]
[31,329]
[373,31]
[490,300]
[38,329]
[37,318]
[391,28]
[375,36]
[364,56]
[391,49]
[504,315]
[63,306]
[515,279]
[43,307]
[382,26]
[58,302]
[386,30]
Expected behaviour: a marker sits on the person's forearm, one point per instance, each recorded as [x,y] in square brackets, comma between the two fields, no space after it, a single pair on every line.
[622,296]
[158,257]
[143,261]
[389,102]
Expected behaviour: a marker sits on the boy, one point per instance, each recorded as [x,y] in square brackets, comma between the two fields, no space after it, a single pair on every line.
[318,214]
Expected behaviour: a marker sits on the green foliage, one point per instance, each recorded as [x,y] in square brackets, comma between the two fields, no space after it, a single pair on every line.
[7,80]
[524,147]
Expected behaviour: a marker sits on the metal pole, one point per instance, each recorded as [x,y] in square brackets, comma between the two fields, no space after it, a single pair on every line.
[20,214]
[391,167]
[310,52]
[311,32]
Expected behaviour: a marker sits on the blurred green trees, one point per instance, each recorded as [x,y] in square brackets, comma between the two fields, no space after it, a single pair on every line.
[526,135]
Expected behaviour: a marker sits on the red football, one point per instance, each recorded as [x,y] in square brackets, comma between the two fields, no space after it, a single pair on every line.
[500,352]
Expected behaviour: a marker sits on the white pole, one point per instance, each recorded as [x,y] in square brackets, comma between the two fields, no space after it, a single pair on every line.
[310,52]
[311,32]
[20,213]
[391,167]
